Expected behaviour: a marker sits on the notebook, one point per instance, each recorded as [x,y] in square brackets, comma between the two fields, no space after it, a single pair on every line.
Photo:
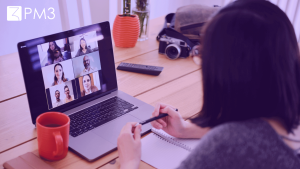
[164,151]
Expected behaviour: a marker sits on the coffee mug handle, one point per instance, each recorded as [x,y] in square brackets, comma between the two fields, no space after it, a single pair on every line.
[59,144]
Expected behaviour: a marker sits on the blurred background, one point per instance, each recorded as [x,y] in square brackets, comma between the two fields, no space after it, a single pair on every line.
[70,14]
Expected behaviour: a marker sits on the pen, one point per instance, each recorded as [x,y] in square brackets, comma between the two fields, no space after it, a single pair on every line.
[153,118]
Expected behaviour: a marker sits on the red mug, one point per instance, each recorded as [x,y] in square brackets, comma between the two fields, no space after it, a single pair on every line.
[53,135]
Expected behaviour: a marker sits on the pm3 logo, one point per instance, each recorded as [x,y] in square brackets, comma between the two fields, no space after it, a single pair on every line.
[14,13]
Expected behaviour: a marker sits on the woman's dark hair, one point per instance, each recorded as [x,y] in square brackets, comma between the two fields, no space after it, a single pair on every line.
[250,66]
[66,86]
[51,53]
[63,74]
[56,47]
[80,44]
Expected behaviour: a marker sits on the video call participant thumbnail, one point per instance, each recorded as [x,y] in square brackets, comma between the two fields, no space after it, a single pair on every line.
[83,48]
[89,83]
[88,86]
[59,76]
[54,54]
[61,94]
[67,93]
[83,44]
[86,64]
[58,101]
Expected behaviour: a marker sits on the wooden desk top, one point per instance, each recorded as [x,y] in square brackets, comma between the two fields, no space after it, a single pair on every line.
[179,84]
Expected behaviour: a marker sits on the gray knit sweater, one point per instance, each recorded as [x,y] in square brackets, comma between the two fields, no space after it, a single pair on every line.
[251,144]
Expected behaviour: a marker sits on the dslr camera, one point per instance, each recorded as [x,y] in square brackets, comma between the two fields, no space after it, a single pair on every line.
[173,48]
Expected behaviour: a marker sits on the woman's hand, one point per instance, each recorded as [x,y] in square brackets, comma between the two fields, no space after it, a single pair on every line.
[174,124]
[129,146]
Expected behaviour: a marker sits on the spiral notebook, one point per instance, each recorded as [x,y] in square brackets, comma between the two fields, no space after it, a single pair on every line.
[164,151]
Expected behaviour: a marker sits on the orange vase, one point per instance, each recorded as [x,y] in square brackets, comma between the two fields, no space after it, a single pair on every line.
[126,31]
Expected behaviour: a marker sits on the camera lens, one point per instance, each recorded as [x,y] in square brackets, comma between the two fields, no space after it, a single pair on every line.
[173,51]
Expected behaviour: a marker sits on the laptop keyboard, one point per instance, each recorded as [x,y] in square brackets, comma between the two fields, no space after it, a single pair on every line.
[96,115]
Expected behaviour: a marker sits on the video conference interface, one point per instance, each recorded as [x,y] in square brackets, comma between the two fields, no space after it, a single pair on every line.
[71,68]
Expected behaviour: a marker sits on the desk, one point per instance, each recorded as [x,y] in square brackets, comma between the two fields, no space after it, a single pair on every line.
[179,84]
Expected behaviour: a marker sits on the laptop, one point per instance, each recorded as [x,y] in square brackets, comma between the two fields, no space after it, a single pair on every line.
[73,72]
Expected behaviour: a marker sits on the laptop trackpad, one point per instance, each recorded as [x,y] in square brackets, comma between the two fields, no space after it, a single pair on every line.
[111,130]
[90,145]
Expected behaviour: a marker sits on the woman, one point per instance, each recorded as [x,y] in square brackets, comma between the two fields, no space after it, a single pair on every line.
[59,76]
[83,49]
[54,54]
[88,88]
[251,94]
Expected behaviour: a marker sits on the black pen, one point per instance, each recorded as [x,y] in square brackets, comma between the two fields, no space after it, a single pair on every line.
[153,118]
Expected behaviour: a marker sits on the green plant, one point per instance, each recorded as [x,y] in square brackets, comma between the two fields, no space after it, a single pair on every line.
[126,7]
[141,6]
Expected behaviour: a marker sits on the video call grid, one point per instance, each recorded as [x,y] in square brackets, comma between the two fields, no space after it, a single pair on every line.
[69,59]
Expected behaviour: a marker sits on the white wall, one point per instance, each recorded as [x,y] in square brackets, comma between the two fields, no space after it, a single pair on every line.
[12,32]
[157,7]
[70,14]
[157,10]
[162,7]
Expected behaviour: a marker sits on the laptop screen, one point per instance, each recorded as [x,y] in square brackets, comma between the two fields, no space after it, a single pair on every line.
[67,69]
[70,67]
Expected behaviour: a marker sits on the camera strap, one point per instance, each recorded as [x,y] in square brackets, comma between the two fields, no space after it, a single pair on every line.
[169,23]
[173,33]
[168,30]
